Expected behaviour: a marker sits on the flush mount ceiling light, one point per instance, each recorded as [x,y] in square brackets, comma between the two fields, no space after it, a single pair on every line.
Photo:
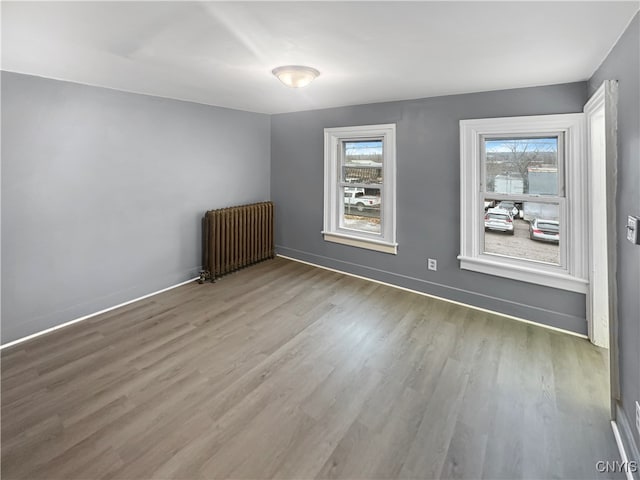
[295,76]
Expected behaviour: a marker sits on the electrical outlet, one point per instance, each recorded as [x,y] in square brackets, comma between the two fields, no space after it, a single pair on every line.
[432,264]
[638,417]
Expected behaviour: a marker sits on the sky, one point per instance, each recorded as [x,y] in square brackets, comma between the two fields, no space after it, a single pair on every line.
[543,144]
[364,148]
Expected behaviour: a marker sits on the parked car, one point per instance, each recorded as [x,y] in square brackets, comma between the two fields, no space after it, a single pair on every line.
[499,220]
[544,230]
[510,207]
[356,196]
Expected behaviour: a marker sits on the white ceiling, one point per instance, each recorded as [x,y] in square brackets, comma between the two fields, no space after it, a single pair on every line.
[223,53]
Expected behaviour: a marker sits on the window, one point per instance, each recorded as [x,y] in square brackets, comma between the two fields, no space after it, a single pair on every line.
[523,198]
[359,187]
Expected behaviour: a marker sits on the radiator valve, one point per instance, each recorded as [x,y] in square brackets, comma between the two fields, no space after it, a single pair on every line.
[204,276]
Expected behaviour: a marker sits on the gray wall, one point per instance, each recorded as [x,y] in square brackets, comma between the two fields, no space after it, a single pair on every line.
[623,64]
[103,191]
[428,198]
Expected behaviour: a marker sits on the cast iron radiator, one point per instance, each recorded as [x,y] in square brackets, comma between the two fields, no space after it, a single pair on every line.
[236,237]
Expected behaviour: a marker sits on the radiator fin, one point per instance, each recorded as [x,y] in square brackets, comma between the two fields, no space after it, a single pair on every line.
[236,237]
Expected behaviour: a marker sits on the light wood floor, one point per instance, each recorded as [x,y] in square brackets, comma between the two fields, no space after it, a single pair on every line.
[289,371]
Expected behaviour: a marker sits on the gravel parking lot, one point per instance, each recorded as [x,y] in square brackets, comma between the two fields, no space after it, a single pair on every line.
[520,245]
[517,245]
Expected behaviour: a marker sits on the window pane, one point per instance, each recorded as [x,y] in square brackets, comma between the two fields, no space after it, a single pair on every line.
[362,161]
[522,165]
[526,230]
[362,209]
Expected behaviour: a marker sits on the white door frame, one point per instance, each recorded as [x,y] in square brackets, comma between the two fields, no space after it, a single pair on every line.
[602,156]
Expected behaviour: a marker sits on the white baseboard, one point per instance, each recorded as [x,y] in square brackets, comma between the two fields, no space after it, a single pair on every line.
[549,327]
[621,449]
[624,434]
[71,322]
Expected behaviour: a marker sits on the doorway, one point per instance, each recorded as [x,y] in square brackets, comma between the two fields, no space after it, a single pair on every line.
[601,129]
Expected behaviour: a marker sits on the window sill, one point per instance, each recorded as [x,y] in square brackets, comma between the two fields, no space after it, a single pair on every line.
[369,244]
[538,276]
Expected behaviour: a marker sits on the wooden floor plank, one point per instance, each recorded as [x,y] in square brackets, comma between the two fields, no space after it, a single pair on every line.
[284,370]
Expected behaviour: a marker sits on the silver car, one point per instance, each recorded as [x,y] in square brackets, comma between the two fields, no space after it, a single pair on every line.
[544,230]
[499,220]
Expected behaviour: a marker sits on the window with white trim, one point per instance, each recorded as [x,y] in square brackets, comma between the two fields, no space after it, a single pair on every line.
[359,186]
[523,199]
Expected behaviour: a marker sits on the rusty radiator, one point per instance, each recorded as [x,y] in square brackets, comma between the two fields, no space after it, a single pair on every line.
[236,237]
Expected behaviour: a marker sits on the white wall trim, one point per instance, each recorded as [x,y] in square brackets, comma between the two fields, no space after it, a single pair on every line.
[623,452]
[71,322]
[333,201]
[574,246]
[473,307]
[602,167]
[360,242]
[597,168]
[524,273]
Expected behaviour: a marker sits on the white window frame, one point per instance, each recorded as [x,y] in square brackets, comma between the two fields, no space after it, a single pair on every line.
[572,272]
[333,231]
